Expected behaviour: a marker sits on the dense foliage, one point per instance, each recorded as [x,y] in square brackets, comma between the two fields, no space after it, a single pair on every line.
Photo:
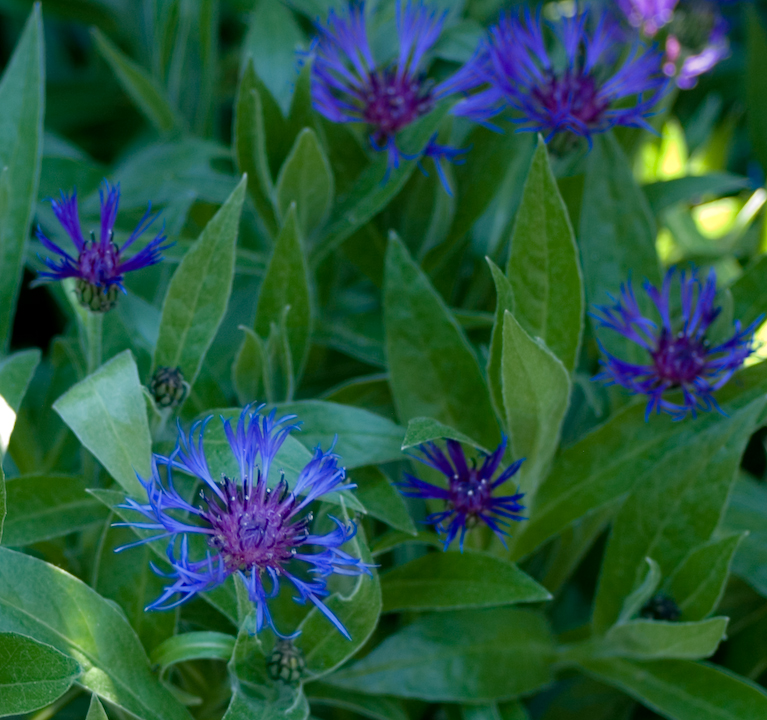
[398,360]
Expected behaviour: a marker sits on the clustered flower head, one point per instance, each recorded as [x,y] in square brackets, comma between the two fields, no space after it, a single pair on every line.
[680,356]
[99,265]
[468,497]
[349,85]
[261,533]
[695,34]
[580,87]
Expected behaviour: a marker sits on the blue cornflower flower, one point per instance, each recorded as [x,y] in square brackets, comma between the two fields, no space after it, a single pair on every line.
[680,356]
[258,532]
[469,495]
[349,85]
[100,264]
[583,93]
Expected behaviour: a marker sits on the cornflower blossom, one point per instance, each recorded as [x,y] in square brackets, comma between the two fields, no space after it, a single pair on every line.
[99,265]
[350,86]
[584,92]
[679,354]
[469,495]
[695,30]
[260,533]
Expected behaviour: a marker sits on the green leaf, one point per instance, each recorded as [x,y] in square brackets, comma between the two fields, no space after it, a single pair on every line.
[16,372]
[543,267]
[192,646]
[306,179]
[381,499]
[603,466]
[512,710]
[749,293]
[377,708]
[432,368]
[32,674]
[698,583]
[272,40]
[504,301]
[3,503]
[422,430]
[452,581]
[198,294]
[756,84]
[672,511]
[287,283]
[648,639]
[617,231]
[127,579]
[747,511]
[370,194]
[536,392]
[139,85]
[107,412]
[683,690]
[358,609]
[665,193]
[42,507]
[290,704]
[643,592]
[22,99]
[363,438]
[249,146]
[248,368]
[96,709]
[463,656]
[51,606]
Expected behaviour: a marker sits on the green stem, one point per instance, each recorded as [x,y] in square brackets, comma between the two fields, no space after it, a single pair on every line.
[94,325]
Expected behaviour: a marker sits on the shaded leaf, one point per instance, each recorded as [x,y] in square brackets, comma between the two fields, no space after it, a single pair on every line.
[432,369]
[466,655]
[32,674]
[22,100]
[199,291]
[543,267]
[451,581]
[16,373]
[381,499]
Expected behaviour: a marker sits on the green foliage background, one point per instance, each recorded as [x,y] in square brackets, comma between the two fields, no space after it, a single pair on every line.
[388,313]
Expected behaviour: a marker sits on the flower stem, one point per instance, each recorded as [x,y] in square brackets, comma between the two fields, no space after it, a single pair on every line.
[94,324]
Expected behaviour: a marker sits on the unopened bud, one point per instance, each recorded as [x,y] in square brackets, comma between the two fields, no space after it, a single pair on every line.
[168,387]
[286,662]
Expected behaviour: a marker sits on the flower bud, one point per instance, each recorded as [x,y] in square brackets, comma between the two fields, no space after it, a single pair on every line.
[286,662]
[168,387]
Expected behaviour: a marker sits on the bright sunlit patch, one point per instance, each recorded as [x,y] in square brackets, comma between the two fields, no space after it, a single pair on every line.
[715,219]
[672,159]
[7,421]
[760,342]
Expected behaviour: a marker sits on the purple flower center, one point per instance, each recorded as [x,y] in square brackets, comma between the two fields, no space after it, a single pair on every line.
[470,496]
[679,359]
[392,101]
[253,532]
[98,263]
[573,95]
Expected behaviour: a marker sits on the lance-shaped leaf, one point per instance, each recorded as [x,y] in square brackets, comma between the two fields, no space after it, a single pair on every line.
[287,283]
[648,639]
[199,292]
[432,369]
[683,690]
[107,412]
[53,607]
[306,179]
[139,85]
[536,392]
[32,674]
[543,267]
[603,466]
[672,511]
[22,101]
[466,655]
[451,581]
